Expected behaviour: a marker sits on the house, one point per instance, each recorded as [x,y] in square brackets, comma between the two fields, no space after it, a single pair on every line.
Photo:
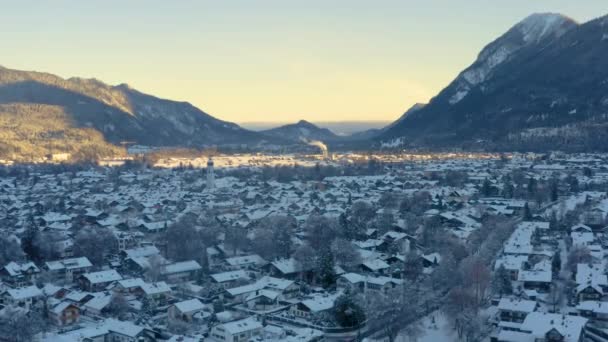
[108,330]
[180,271]
[515,310]
[129,286]
[287,268]
[231,278]
[17,275]
[376,266]
[68,269]
[312,306]
[431,259]
[97,281]
[287,289]
[593,309]
[159,292]
[512,263]
[539,277]
[262,300]
[541,326]
[188,311]
[237,331]
[63,313]
[246,262]
[98,305]
[352,281]
[589,291]
[23,297]
[381,284]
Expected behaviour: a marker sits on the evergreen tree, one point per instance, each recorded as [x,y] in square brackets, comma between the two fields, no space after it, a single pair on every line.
[347,312]
[532,186]
[325,267]
[501,282]
[527,212]
[556,263]
[554,191]
[573,183]
[28,240]
[507,188]
[486,188]
[553,223]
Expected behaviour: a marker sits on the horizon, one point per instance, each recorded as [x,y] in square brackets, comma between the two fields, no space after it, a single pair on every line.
[247,63]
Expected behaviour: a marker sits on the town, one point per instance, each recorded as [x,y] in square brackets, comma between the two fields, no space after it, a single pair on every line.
[437,247]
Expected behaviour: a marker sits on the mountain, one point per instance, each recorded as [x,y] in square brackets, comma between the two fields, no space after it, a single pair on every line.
[300,132]
[115,113]
[413,109]
[541,85]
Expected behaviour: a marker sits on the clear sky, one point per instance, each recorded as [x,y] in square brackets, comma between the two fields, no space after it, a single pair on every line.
[268,60]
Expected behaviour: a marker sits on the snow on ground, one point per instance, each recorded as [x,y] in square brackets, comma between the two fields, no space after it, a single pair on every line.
[439,331]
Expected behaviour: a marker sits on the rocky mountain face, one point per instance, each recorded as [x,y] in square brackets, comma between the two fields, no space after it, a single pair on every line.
[118,113]
[542,85]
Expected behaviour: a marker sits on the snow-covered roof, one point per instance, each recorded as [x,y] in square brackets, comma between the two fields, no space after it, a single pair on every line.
[229,276]
[182,266]
[243,325]
[155,288]
[103,276]
[540,323]
[68,264]
[520,305]
[190,306]
[24,292]
[320,303]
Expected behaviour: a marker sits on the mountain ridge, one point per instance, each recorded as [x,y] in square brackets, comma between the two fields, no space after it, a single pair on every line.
[524,100]
[120,113]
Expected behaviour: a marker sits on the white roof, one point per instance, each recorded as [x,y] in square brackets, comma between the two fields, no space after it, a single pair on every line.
[182,266]
[595,306]
[512,304]
[100,301]
[144,251]
[376,264]
[588,274]
[14,269]
[130,283]
[245,260]
[353,278]
[540,323]
[242,325]
[103,276]
[68,264]
[320,303]
[154,288]
[266,282]
[228,276]
[191,305]
[24,292]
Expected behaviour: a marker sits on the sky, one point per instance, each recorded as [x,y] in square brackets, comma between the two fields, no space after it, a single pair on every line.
[268,60]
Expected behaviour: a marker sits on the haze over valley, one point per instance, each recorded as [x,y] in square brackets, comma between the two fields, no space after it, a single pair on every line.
[304,171]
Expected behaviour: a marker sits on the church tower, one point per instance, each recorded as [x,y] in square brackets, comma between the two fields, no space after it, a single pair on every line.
[210,175]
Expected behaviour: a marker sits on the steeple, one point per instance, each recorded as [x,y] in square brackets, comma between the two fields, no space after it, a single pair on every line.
[210,175]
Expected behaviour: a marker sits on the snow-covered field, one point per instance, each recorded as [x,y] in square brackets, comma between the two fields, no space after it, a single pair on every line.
[438,331]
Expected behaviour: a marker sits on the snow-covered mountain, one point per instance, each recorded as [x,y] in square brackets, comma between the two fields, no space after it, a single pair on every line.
[536,29]
[544,76]
[119,113]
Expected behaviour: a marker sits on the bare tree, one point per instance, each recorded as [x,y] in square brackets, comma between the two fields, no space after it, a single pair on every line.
[578,255]
[95,244]
[394,313]
[345,253]
[476,277]
[10,250]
